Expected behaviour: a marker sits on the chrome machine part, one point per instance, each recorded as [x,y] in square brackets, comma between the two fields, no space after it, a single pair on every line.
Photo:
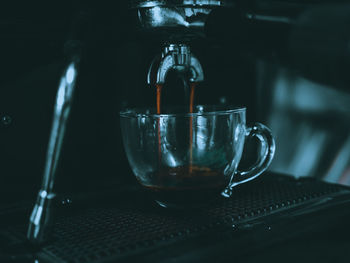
[39,223]
[176,57]
[177,19]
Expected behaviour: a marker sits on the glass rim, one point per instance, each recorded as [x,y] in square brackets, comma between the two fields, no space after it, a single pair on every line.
[222,110]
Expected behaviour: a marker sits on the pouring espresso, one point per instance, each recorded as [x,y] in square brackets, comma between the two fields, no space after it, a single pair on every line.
[186,157]
[175,57]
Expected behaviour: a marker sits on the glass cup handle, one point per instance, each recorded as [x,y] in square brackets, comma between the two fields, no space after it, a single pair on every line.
[267,152]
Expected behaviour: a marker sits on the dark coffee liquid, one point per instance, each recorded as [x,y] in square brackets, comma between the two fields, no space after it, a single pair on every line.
[179,186]
[184,185]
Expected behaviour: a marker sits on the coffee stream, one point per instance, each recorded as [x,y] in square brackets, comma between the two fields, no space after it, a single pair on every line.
[159,95]
[184,184]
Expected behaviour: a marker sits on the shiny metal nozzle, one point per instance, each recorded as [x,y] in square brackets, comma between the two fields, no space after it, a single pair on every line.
[176,57]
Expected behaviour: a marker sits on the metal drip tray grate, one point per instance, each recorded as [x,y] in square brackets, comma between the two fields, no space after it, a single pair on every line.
[103,234]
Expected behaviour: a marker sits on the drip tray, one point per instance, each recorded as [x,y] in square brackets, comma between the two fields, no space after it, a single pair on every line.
[136,228]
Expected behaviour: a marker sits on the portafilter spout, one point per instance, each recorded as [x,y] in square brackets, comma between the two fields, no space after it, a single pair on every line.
[179,58]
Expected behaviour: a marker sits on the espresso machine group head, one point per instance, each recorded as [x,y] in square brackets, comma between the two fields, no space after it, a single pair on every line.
[176,23]
[175,20]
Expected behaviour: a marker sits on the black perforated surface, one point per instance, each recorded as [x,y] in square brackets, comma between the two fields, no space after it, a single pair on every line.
[100,234]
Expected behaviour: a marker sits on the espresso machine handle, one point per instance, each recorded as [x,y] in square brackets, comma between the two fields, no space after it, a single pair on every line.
[263,134]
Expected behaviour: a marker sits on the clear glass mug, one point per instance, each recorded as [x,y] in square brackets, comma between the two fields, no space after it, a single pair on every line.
[185,159]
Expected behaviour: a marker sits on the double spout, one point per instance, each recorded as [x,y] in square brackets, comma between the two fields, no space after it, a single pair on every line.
[175,57]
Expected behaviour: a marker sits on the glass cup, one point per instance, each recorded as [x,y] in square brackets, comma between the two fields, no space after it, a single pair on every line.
[185,159]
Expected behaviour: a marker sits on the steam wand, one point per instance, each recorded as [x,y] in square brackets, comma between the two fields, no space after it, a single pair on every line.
[41,220]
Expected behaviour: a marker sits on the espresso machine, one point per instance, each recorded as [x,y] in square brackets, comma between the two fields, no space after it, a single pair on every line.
[286,61]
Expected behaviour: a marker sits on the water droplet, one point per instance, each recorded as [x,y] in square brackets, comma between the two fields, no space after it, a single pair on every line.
[6,120]
[223,100]
[66,201]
